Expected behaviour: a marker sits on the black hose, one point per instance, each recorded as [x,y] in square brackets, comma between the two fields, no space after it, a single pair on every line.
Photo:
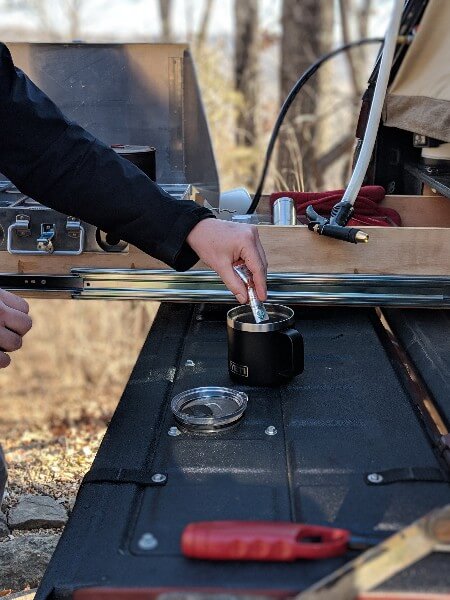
[287,103]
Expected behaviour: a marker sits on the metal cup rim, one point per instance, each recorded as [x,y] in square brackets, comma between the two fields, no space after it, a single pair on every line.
[239,311]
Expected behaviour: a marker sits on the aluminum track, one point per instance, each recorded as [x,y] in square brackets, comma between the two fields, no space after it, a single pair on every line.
[205,286]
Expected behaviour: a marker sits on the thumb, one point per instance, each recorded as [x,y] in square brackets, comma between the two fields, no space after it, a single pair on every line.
[233,282]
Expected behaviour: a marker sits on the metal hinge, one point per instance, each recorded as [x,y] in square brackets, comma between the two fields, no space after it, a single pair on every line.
[22,226]
[73,227]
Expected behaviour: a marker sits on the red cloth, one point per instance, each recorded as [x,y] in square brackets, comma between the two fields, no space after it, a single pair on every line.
[367,207]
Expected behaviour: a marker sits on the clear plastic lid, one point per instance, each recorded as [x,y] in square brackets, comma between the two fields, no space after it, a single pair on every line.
[209,408]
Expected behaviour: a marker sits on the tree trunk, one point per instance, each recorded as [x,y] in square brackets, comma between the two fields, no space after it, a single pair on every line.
[165,7]
[304,39]
[204,23]
[246,68]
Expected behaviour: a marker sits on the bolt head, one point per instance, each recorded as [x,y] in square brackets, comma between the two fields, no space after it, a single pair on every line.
[271,430]
[147,541]
[375,478]
[174,431]
[159,478]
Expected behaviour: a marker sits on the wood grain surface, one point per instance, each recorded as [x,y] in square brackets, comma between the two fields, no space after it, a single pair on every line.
[421,247]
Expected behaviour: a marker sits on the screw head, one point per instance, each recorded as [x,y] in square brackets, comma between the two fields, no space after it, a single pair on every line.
[147,541]
[375,478]
[174,431]
[189,363]
[271,430]
[158,478]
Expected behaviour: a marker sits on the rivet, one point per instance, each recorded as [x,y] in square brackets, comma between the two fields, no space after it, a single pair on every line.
[158,478]
[147,541]
[174,431]
[375,478]
[271,430]
[189,363]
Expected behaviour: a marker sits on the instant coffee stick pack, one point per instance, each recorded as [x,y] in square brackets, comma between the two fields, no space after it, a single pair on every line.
[258,308]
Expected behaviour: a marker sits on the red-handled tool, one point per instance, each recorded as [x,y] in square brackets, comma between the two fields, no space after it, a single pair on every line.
[265,540]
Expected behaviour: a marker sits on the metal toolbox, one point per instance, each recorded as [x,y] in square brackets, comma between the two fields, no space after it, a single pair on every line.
[126,95]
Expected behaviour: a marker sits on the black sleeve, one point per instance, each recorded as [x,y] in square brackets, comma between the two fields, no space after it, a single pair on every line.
[61,165]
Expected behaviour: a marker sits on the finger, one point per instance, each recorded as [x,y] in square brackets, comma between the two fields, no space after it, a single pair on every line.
[254,263]
[9,341]
[14,301]
[16,321]
[4,360]
[232,281]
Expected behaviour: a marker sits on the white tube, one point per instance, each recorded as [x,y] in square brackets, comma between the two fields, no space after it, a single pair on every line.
[373,121]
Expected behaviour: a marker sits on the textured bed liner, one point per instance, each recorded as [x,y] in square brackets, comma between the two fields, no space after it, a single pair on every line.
[346,416]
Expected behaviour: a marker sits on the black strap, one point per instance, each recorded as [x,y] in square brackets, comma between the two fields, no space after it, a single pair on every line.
[136,476]
[406,474]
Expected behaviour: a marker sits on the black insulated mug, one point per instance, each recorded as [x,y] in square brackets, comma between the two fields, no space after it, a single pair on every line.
[267,353]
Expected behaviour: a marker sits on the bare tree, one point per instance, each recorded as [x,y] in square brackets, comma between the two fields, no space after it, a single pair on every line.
[246,68]
[344,13]
[204,23]
[42,10]
[356,12]
[165,9]
[303,41]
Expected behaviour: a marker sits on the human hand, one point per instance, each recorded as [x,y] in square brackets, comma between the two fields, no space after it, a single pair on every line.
[14,324]
[220,244]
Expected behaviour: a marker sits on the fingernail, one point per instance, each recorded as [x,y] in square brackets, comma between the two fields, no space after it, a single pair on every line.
[240,298]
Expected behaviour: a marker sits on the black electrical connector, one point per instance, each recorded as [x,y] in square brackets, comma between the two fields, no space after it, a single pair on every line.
[341,213]
[335,226]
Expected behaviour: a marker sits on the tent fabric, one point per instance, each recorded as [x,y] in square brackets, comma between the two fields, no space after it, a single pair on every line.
[418,100]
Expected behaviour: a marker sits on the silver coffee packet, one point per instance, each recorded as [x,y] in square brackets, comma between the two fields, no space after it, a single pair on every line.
[258,308]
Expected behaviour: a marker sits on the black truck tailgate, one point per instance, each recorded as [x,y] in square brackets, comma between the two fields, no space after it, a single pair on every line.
[347,416]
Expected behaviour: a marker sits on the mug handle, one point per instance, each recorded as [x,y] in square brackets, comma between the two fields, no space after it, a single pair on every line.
[294,341]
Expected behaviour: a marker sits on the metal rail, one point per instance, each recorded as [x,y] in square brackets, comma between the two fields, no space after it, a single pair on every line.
[205,286]
[292,288]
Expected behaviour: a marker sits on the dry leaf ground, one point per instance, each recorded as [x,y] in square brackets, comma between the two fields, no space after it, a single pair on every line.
[62,388]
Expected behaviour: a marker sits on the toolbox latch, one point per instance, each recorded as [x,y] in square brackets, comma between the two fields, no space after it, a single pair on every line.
[22,226]
[44,241]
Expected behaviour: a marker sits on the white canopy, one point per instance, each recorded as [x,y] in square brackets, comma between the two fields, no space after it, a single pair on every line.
[419,98]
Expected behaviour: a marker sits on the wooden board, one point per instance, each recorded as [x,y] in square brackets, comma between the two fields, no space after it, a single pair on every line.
[422,247]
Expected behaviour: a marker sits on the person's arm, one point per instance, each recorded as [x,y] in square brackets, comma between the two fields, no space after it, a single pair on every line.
[63,166]
[14,324]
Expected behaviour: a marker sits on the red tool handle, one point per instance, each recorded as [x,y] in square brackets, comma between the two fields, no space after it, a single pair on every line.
[262,540]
